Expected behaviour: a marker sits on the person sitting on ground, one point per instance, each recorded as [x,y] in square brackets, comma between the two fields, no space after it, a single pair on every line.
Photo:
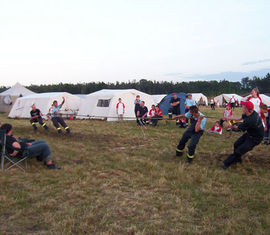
[120,110]
[265,116]
[142,114]
[216,129]
[158,116]
[56,118]
[226,114]
[36,118]
[151,113]
[16,147]
[253,126]
[194,132]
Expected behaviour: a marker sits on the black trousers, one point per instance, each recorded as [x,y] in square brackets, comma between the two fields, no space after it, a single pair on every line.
[36,121]
[241,146]
[57,120]
[155,119]
[194,140]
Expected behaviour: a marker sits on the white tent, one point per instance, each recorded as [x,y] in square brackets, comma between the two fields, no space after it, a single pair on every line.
[8,97]
[200,98]
[265,99]
[102,104]
[157,98]
[225,98]
[43,101]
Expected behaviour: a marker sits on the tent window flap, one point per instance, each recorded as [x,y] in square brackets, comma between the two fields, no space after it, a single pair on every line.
[103,103]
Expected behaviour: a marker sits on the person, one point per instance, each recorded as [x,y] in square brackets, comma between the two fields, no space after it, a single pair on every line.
[36,118]
[255,99]
[265,116]
[137,103]
[216,129]
[142,114]
[226,114]
[151,113]
[252,125]
[56,118]
[232,102]
[175,106]
[158,116]
[120,110]
[212,103]
[194,132]
[16,147]
[188,103]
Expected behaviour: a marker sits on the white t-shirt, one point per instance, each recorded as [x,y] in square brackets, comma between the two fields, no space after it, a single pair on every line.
[257,103]
[121,108]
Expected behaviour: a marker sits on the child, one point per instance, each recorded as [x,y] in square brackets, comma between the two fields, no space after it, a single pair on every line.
[158,116]
[217,129]
[226,115]
[265,116]
[194,132]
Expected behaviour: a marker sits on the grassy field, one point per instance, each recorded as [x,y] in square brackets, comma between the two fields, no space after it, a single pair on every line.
[115,181]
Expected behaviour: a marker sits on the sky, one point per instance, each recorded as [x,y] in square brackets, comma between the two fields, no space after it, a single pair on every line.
[53,41]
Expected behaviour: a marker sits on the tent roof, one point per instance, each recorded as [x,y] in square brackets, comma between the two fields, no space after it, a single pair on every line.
[17,90]
[157,98]
[113,92]
[45,95]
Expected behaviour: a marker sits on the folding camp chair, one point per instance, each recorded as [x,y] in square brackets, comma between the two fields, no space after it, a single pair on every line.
[7,161]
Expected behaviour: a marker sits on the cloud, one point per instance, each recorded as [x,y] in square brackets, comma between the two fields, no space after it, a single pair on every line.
[256,61]
[228,75]
[173,74]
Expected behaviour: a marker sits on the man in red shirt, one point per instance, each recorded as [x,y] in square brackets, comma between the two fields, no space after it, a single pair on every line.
[120,110]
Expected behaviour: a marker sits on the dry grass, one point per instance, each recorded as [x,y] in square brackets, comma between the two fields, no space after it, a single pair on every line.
[113,181]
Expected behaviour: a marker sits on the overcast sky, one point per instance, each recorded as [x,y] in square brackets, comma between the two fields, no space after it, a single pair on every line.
[52,41]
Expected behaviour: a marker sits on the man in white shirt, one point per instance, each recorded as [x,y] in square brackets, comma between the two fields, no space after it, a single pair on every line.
[120,110]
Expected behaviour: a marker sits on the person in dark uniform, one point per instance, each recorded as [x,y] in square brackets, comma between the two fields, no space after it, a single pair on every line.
[142,114]
[253,126]
[194,132]
[137,103]
[36,118]
[175,106]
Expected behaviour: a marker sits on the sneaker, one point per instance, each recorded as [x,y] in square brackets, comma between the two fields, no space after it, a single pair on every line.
[59,131]
[53,167]
[189,160]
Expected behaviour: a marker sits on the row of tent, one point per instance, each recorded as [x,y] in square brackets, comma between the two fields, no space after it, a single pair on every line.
[97,105]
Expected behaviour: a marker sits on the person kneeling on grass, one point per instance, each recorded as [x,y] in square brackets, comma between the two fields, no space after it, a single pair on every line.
[252,124]
[16,147]
[194,132]
[56,118]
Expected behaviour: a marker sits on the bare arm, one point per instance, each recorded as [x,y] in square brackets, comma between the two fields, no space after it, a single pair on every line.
[63,101]
[235,118]
[179,116]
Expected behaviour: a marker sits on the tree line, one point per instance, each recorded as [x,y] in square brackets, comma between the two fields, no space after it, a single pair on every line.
[209,88]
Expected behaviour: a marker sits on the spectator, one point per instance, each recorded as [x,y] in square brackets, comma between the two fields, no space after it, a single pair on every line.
[255,99]
[120,110]
[212,103]
[175,106]
[158,116]
[253,126]
[226,114]
[137,103]
[217,129]
[232,101]
[265,115]
[188,103]
[36,118]
[56,118]
[39,148]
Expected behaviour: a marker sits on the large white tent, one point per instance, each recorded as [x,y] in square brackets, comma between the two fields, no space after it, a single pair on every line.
[157,98]
[102,104]
[43,101]
[9,96]
[200,98]
[225,98]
